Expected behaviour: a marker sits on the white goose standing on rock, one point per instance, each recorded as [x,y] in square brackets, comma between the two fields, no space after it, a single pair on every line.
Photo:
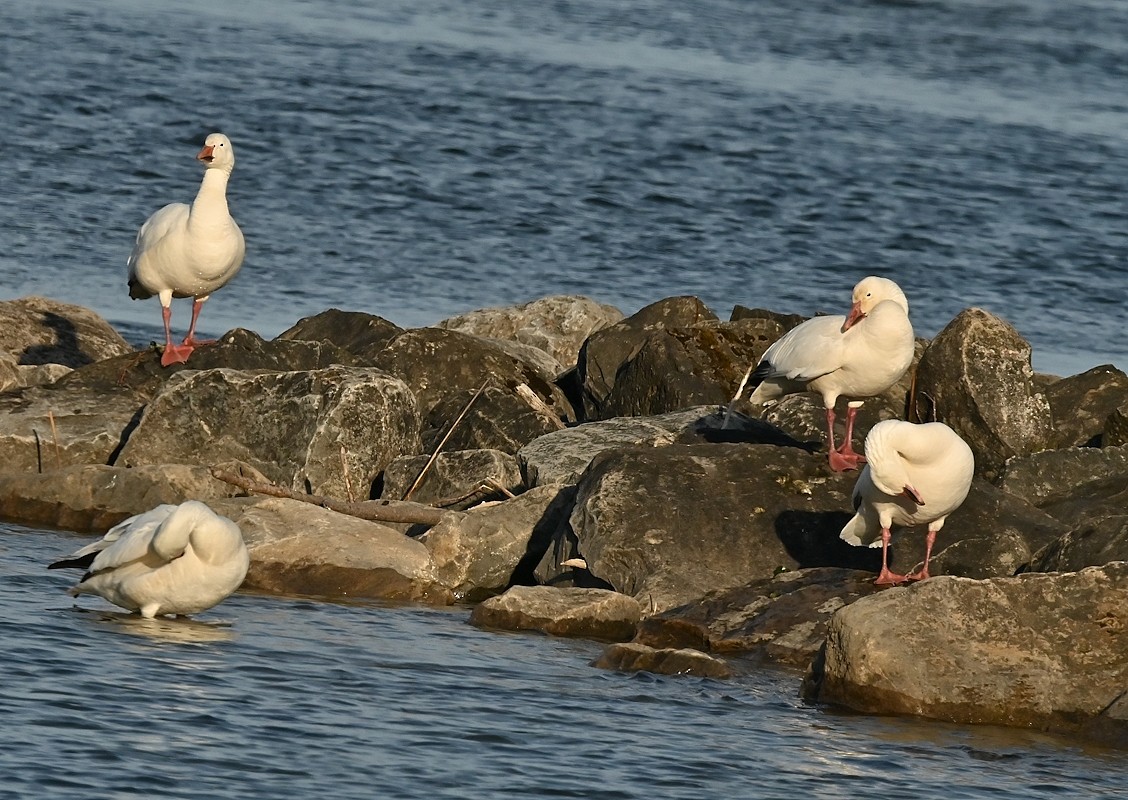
[189,250]
[174,559]
[856,356]
[914,474]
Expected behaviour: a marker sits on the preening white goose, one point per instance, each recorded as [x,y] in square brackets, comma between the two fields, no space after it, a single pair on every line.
[174,559]
[856,356]
[914,474]
[189,250]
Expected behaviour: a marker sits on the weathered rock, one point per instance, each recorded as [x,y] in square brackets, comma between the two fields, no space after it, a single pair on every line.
[757,509]
[493,546]
[454,474]
[633,657]
[14,375]
[675,368]
[362,335]
[437,364]
[1053,476]
[584,613]
[606,350]
[558,325]
[976,376]
[503,418]
[1081,405]
[1037,650]
[324,431]
[782,619]
[1097,515]
[41,331]
[299,548]
[92,499]
[1115,431]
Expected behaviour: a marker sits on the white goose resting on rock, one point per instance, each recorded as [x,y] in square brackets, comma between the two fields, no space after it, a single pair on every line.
[174,559]
[914,474]
[856,356]
[189,250]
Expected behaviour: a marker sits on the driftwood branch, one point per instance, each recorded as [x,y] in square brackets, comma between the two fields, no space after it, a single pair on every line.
[443,441]
[375,510]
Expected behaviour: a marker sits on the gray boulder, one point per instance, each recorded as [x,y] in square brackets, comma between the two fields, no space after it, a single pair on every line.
[1037,650]
[301,549]
[37,330]
[1081,405]
[491,547]
[1053,476]
[329,431]
[356,332]
[634,657]
[583,613]
[606,350]
[14,375]
[503,417]
[976,376]
[558,325]
[454,474]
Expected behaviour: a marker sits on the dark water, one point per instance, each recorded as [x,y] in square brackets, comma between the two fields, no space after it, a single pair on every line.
[420,158]
[279,698]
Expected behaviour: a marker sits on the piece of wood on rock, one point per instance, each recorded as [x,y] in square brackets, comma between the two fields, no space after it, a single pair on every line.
[469,475]
[328,431]
[586,613]
[1039,650]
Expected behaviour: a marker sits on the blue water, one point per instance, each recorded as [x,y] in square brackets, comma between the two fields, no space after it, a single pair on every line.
[421,158]
[289,698]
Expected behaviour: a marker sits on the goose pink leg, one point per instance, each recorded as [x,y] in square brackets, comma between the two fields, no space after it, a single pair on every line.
[887,577]
[190,340]
[922,574]
[173,353]
[842,458]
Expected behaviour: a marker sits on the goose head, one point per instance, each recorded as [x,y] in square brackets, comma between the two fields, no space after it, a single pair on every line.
[217,152]
[868,294]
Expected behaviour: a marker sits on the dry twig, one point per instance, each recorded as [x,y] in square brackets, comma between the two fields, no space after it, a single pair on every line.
[443,441]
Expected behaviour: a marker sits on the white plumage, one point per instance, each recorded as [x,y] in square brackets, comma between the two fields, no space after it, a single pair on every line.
[189,250]
[856,356]
[174,559]
[915,474]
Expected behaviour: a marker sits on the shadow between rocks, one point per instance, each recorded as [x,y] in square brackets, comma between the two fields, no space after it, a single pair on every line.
[811,538]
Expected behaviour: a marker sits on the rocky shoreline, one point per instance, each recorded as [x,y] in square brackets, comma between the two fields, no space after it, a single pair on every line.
[565,469]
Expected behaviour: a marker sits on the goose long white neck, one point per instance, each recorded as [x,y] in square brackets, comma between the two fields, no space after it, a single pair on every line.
[210,206]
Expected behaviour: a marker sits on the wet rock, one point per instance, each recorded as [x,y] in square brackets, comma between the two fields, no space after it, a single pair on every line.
[502,418]
[1037,650]
[678,367]
[557,325]
[976,376]
[323,431]
[454,474]
[781,620]
[358,333]
[585,613]
[92,499]
[301,549]
[632,657]
[37,330]
[438,364]
[1081,405]
[606,350]
[487,549]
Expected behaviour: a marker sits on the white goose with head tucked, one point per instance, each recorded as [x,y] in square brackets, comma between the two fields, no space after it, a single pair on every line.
[174,559]
[914,474]
[856,356]
[189,250]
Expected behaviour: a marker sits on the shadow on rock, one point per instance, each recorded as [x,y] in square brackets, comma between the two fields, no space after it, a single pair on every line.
[811,538]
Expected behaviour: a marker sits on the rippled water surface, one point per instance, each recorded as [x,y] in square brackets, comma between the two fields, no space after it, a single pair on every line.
[279,698]
[419,158]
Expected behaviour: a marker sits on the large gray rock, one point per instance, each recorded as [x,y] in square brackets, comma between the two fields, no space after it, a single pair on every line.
[329,431]
[361,334]
[301,549]
[1081,405]
[504,418]
[606,350]
[37,330]
[437,364]
[485,550]
[454,474]
[558,325]
[14,375]
[1053,476]
[92,499]
[781,620]
[976,376]
[1037,650]
[583,613]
